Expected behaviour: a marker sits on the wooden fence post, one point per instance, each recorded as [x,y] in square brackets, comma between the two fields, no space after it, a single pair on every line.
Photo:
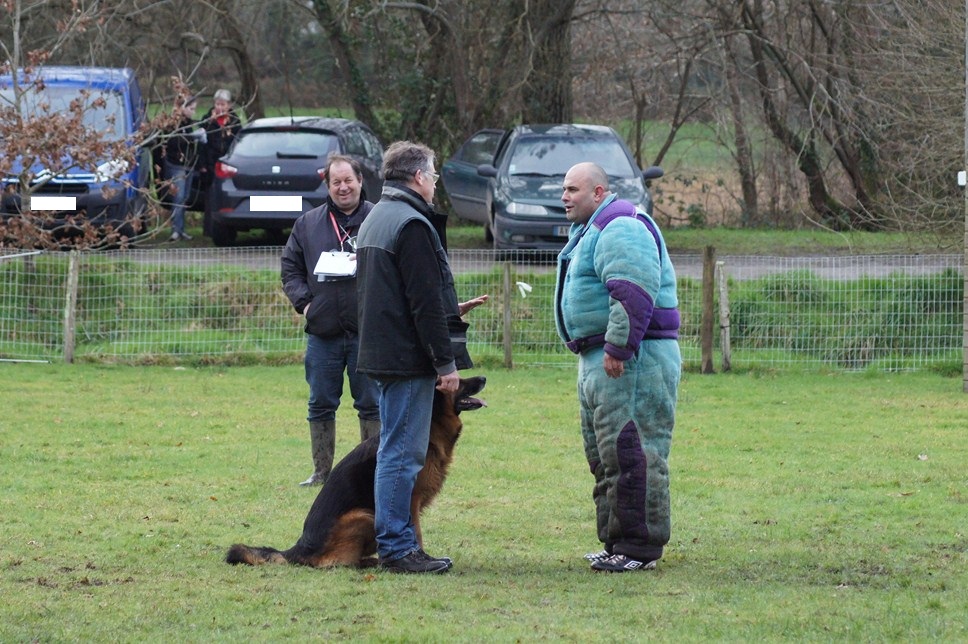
[723,292]
[508,361]
[706,326]
[70,306]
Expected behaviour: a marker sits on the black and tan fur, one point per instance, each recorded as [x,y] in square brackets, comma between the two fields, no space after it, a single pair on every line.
[338,531]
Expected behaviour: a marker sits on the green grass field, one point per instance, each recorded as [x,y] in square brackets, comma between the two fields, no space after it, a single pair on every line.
[807,507]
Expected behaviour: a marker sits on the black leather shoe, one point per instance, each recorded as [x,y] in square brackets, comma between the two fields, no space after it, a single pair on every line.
[446,560]
[416,562]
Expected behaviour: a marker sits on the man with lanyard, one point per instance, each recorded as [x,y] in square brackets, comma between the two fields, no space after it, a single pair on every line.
[330,309]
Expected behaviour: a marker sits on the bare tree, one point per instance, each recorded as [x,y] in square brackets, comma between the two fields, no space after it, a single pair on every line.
[546,95]
[230,35]
[195,41]
[840,89]
[335,25]
[469,65]
[642,68]
[912,62]
[842,84]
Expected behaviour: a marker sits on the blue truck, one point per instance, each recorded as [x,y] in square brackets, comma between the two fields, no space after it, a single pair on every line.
[103,191]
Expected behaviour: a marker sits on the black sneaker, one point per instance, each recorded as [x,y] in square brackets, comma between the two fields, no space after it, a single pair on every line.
[597,556]
[621,563]
[446,560]
[416,562]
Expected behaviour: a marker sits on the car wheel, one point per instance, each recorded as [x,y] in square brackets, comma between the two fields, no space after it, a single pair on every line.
[207,216]
[500,254]
[136,220]
[276,236]
[222,235]
[492,234]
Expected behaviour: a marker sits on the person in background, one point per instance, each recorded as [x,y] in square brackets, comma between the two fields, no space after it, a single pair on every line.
[222,124]
[616,307]
[181,150]
[411,341]
[330,310]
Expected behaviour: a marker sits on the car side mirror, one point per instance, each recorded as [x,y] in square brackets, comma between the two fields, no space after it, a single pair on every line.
[652,172]
[487,170]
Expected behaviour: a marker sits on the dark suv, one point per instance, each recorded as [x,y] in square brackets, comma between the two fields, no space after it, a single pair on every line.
[274,172]
[510,181]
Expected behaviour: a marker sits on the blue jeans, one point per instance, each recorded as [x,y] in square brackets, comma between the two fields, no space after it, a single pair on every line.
[180,177]
[406,406]
[326,360]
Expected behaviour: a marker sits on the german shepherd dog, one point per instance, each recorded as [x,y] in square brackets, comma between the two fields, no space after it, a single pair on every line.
[338,530]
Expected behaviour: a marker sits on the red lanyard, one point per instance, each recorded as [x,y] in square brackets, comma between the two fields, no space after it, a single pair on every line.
[338,229]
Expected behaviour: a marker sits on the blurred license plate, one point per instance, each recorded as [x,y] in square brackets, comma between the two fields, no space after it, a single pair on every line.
[281,203]
[561,231]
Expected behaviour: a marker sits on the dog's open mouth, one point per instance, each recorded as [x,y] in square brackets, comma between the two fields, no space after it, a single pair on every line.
[466,403]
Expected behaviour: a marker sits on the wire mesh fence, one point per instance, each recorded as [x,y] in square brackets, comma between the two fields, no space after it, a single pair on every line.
[226,306]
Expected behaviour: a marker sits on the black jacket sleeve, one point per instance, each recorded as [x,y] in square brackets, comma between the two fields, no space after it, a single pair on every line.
[294,275]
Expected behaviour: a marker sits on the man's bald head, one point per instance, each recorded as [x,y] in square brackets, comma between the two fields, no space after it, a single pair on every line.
[583,190]
[594,173]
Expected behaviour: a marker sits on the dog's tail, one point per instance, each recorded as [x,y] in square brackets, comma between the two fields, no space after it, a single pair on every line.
[253,555]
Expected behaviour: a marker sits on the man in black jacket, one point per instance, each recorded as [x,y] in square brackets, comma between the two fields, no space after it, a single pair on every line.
[181,149]
[330,306]
[411,340]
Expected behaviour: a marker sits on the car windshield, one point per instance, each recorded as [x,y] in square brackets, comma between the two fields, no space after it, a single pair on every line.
[286,143]
[107,119]
[553,156]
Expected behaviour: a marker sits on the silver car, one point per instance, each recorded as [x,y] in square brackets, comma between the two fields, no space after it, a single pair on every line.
[510,181]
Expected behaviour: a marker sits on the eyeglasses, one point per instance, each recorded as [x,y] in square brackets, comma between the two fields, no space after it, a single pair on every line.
[433,175]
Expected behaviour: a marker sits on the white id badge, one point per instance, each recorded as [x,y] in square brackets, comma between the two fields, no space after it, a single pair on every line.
[335,264]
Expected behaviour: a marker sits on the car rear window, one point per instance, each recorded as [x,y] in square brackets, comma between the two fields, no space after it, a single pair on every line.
[282,143]
[553,156]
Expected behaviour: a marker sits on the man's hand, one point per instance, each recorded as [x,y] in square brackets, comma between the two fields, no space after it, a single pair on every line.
[464,307]
[449,383]
[613,366]
[306,309]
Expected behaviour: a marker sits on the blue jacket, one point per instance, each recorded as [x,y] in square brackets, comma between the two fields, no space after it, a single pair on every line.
[616,285]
